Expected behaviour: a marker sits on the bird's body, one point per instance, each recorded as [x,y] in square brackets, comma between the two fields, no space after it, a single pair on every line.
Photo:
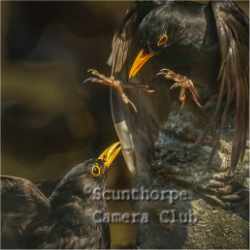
[192,48]
[207,44]
[70,222]
[65,219]
[22,203]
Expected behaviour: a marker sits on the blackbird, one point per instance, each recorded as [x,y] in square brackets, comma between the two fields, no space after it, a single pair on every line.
[63,220]
[203,48]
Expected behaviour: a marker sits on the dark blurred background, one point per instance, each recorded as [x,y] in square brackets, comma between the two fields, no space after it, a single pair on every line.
[49,121]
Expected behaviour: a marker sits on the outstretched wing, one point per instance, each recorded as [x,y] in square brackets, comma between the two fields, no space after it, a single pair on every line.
[23,206]
[233,34]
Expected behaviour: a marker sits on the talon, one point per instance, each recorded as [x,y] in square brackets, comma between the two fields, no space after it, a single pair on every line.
[89,79]
[111,82]
[224,176]
[132,105]
[231,197]
[225,190]
[175,85]
[214,183]
[183,82]
[91,71]
[217,200]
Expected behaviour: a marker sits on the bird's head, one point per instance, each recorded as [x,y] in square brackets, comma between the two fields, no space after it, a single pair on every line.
[165,26]
[86,176]
[98,168]
[101,165]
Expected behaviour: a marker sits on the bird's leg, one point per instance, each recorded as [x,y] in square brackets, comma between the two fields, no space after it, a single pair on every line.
[110,82]
[184,83]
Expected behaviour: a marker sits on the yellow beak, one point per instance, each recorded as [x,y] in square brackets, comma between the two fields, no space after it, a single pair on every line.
[139,62]
[110,154]
[106,157]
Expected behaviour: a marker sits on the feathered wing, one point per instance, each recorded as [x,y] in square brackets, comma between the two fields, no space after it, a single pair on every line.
[233,34]
[123,44]
[23,207]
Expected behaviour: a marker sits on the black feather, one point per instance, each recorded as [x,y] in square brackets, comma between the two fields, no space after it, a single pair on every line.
[232,30]
[127,31]
[64,221]
[22,204]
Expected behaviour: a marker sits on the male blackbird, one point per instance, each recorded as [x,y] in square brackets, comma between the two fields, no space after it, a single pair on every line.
[203,48]
[65,219]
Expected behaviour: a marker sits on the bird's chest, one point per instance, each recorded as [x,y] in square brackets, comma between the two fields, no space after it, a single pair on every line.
[183,60]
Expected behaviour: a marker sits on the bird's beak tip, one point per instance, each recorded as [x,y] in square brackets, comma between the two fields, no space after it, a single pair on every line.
[140,60]
[110,154]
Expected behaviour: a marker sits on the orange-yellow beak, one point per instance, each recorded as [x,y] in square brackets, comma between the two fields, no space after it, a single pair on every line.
[139,62]
[110,154]
[107,157]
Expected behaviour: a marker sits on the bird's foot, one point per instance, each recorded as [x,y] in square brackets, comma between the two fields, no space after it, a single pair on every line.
[184,83]
[217,187]
[222,189]
[110,82]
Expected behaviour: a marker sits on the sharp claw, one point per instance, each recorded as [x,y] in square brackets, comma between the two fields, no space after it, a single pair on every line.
[128,101]
[132,105]
[217,200]
[221,191]
[214,183]
[159,74]
[175,85]
[165,70]
[92,71]
[231,197]
[222,176]
[228,189]
[89,79]
[111,82]
[181,81]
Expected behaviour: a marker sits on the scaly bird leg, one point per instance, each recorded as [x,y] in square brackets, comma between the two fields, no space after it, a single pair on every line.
[111,82]
[184,83]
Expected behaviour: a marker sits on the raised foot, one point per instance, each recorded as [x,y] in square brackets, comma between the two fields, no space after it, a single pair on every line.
[110,82]
[184,83]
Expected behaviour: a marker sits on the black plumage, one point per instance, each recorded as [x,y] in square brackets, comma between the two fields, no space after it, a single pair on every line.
[63,220]
[208,44]
[205,42]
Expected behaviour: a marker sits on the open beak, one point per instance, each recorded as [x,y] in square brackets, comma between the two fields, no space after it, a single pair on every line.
[110,154]
[106,157]
[139,62]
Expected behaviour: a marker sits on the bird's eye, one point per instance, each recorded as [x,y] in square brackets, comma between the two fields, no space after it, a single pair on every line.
[162,40]
[96,170]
